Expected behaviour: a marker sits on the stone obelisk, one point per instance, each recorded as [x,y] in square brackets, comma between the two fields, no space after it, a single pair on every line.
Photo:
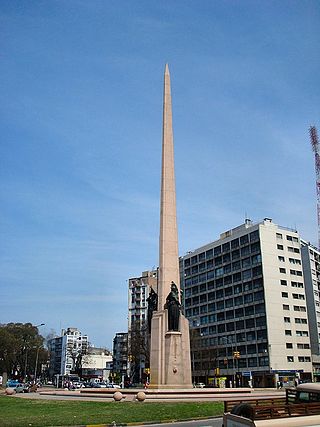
[170,365]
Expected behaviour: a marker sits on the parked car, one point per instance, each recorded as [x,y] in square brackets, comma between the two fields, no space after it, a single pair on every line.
[200,385]
[22,388]
[78,384]
[12,383]
[111,385]
[99,385]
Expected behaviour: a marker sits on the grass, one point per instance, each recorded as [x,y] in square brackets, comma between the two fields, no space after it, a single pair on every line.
[17,412]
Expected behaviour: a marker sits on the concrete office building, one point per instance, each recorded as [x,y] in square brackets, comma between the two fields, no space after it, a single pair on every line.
[311,271]
[245,298]
[120,353]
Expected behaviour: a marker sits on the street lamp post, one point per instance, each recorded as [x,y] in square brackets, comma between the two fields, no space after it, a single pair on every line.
[37,357]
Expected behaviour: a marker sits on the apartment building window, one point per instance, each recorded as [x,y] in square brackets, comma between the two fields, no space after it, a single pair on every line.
[298,296]
[290,359]
[299,320]
[286,319]
[281,258]
[289,238]
[234,243]
[280,247]
[295,250]
[284,294]
[285,307]
[297,284]
[289,345]
[283,282]
[282,270]
[296,272]
[303,346]
[288,332]
[187,262]
[279,236]
[299,308]
[304,359]
[302,333]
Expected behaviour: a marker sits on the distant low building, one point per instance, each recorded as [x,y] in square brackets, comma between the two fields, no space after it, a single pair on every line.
[97,363]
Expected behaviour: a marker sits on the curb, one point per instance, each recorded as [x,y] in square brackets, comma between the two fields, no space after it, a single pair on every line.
[146,423]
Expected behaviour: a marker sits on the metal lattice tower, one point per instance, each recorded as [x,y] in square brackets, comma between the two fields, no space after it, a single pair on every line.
[315,148]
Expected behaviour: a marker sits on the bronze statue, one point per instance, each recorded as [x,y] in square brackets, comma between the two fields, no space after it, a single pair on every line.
[173,306]
[152,301]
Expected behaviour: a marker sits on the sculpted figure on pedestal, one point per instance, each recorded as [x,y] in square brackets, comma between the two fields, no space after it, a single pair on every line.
[173,306]
[152,301]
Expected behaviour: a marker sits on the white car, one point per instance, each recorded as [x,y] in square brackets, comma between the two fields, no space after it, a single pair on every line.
[200,385]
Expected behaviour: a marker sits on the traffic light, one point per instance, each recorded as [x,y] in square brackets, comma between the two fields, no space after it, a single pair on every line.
[236,354]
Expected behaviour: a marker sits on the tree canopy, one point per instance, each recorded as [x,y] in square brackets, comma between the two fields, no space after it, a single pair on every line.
[21,349]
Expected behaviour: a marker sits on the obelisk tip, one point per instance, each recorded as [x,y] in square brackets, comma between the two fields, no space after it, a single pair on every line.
[166,70]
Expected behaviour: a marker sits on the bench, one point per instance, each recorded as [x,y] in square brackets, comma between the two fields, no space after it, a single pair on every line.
[276,408]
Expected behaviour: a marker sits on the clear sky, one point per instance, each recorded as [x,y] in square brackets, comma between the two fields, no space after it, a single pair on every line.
[81,88]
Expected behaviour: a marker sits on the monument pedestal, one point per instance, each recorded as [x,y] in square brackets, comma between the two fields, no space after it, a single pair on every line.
[170,353]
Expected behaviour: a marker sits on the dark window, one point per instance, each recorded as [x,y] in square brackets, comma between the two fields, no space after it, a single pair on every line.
[245,250]
[209,253]
[194,259]
[202,256]
[244,239]
[234,243]
[239,324]
[239,312]
[219,293]
[195,290]
[226,247]
[217,250]
[249,311]
[250,323]
[187,262]
[254,236]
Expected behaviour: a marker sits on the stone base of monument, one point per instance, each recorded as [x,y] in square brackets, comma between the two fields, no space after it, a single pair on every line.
[170,354]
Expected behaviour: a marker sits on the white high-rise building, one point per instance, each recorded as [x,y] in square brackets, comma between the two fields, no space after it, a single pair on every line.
[311,271]
[66,351]
[139,288]
[245,298]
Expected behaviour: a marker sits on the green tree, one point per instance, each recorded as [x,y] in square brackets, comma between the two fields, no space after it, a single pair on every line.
[21,349]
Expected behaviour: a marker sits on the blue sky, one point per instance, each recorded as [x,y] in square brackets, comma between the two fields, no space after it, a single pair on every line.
[81,84]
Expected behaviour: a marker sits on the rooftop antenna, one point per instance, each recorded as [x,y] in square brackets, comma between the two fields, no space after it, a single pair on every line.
[315,148]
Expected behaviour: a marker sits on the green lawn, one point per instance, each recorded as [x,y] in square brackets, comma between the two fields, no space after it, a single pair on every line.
[18,412]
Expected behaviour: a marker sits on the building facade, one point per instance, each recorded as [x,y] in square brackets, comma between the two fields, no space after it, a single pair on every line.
[120,355]
[244,296]
[67,351]
[97,364]
[138,345]
[311,271]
